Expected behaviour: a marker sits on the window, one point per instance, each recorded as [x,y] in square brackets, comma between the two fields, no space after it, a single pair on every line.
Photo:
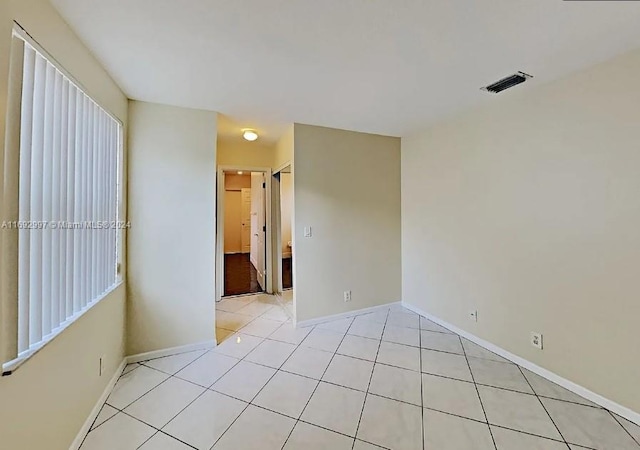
[63,205]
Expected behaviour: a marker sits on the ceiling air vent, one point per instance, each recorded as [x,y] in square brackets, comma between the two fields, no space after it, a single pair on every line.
[508,82]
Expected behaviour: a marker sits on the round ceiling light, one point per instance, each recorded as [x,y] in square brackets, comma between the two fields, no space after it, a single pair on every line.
[249,135]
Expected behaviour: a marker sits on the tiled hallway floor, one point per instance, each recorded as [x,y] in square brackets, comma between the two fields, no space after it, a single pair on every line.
[388,379]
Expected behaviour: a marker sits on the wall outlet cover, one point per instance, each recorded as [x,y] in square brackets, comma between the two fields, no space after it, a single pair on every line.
[536,340]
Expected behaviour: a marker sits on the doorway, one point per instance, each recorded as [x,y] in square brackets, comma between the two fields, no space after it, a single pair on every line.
[242,229]
[284,252]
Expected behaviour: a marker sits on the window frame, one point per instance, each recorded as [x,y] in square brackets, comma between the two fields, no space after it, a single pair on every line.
[10,360]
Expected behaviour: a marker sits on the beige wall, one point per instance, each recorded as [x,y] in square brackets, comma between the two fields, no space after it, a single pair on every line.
[286,207]
[233,185]
[172,211]
[232,221]
[347,187]
[528,210]
[283,152]
[237,152]
[46,401]
[233,181]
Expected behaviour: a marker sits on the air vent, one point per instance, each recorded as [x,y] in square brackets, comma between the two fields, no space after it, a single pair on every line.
[508,82]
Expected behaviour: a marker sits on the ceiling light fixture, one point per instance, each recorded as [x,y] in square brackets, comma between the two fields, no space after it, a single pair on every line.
[249,135]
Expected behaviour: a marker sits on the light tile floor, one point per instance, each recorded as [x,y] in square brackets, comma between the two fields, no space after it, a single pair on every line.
[389,379]
[286,299]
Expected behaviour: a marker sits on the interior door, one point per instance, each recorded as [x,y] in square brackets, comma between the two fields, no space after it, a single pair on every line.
[246,220]
[258,226]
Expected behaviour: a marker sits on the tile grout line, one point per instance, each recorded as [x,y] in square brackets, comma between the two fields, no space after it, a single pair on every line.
[542,404]
[384,326]
[296,419]
[140,364]
[321,376]
[235,298]
[156,429]
[399,401]
[204,392]
[623,427]
[209,387]
[464,351]
[328,429]
[415,371]
[258,393]
[159,430]
[253,320]
[334,353]
[253,317]
[250,403]
[186,381]
[350,388]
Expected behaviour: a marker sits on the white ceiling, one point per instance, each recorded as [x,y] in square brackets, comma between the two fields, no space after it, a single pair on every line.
[230,129]
[381,66]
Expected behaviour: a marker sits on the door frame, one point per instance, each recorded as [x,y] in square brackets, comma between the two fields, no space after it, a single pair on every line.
[277,232]
[220,189]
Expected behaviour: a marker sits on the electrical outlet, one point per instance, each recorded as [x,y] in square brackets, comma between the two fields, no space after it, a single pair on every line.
[347,296]
[536,340]
[103,361]
[307,232]
[473,315]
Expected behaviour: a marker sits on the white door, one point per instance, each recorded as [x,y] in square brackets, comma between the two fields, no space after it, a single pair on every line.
[246,220]
[258,222]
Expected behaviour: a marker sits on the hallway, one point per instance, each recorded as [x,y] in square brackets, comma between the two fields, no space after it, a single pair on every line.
[240,277]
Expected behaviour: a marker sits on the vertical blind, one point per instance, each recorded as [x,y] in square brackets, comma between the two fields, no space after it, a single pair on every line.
[68,189]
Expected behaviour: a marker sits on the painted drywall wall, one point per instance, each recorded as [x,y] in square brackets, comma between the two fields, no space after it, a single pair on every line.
[172,160]
[283,152]
[233,185]
[347,188]
[46,401]
[528,210]
[286,207]
[232,221]
[233,181]
[238,152]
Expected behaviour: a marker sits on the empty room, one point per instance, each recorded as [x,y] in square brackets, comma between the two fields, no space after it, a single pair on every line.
[346,225]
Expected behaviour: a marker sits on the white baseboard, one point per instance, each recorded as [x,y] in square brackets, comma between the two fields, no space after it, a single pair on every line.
[310,322]
[77,442]
[170,351]
[555,378]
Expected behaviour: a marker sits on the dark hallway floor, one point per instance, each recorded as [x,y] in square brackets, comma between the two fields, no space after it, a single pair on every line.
[240,277]
[287,279]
